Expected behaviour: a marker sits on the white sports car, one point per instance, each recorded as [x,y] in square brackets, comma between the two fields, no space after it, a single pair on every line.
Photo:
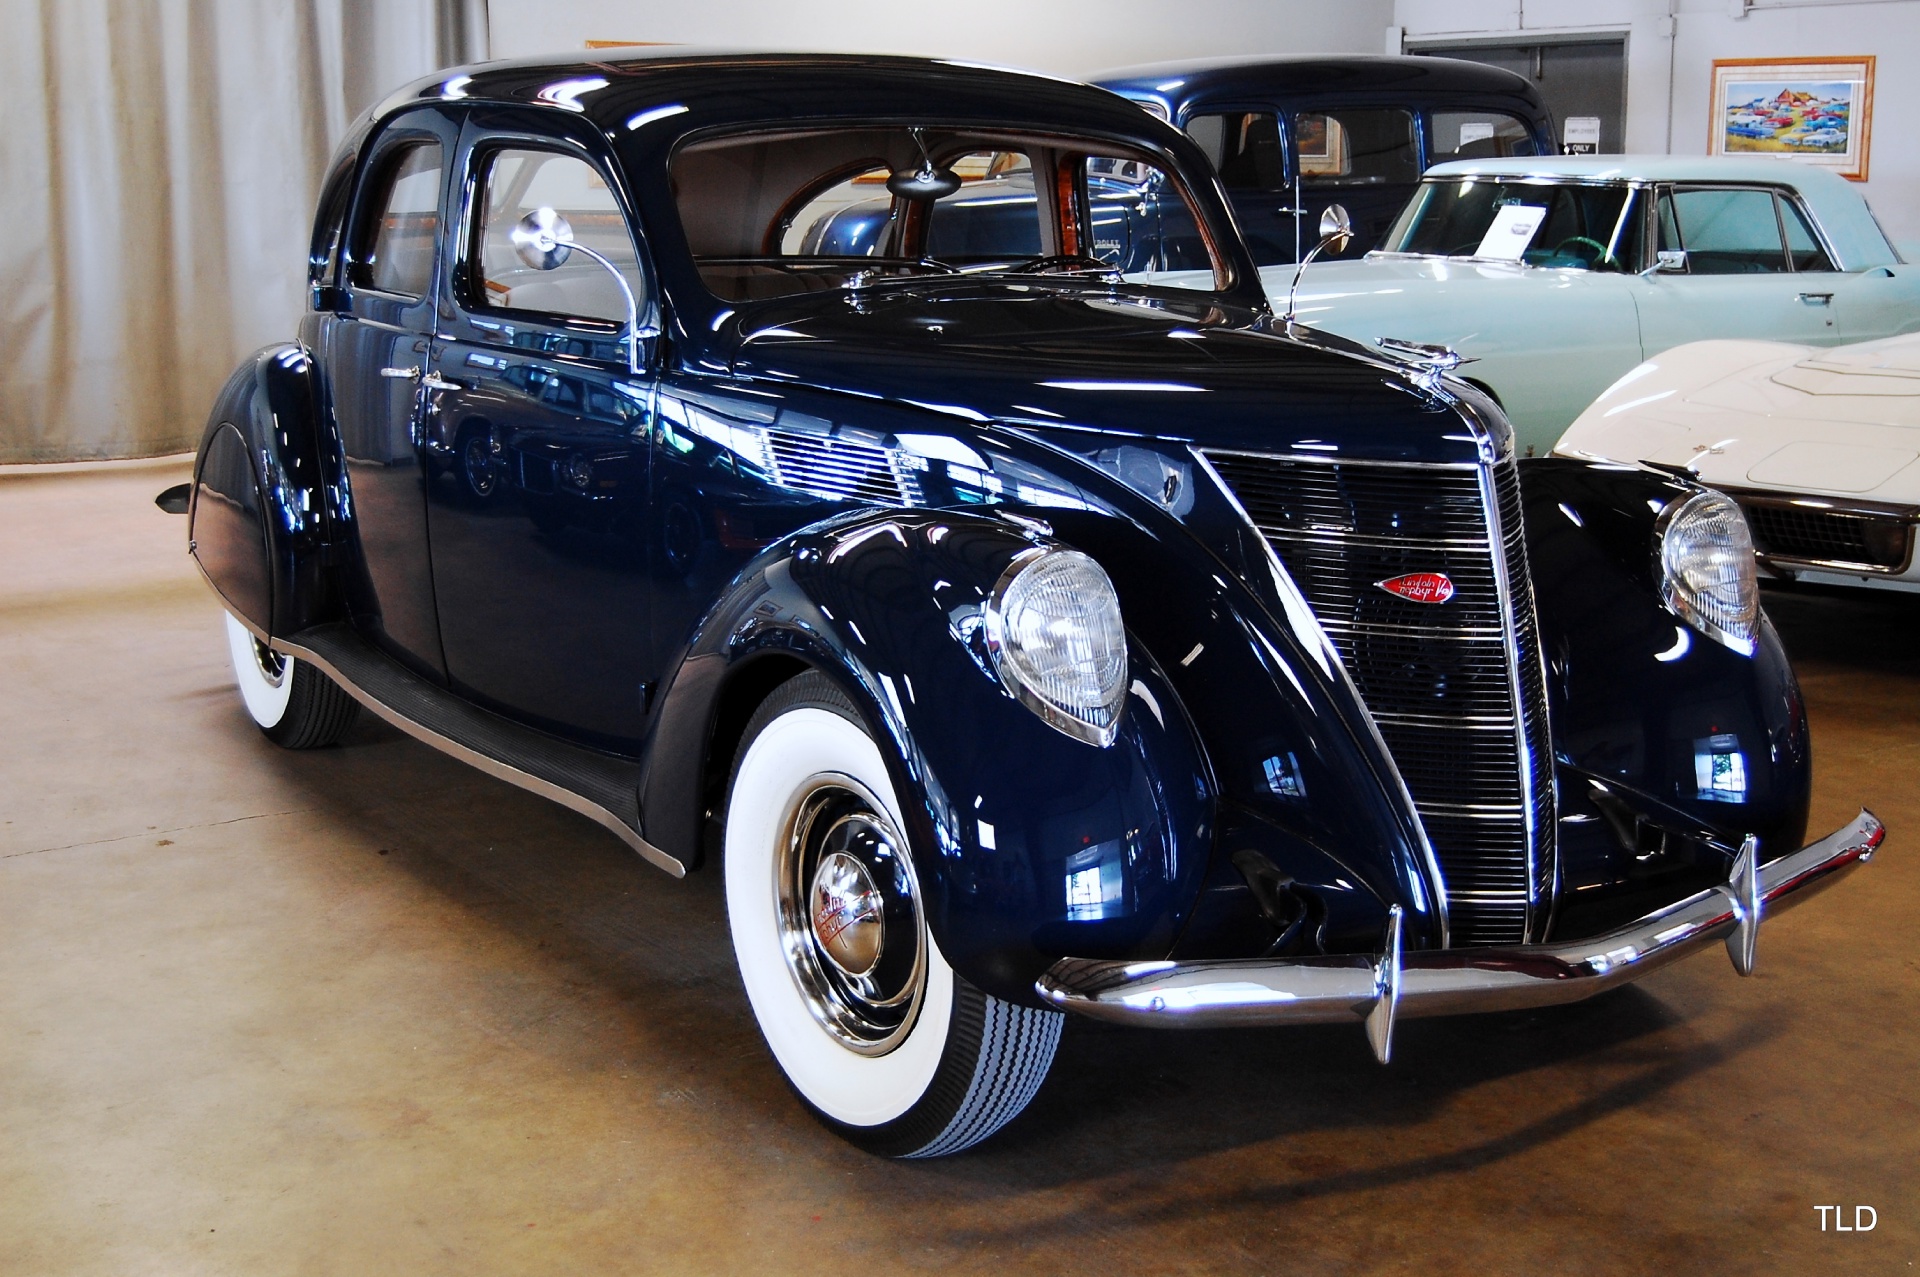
[1821,447]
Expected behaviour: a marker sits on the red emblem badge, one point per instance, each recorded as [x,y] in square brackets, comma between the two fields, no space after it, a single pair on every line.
[1419,587]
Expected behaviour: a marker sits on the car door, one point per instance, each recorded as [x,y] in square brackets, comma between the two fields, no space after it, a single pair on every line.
[377,346]
[539,504]
[1752,269]
[1246,151]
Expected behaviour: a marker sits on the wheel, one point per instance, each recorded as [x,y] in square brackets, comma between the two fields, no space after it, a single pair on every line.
[295,704]
[479,469]
[884,1042]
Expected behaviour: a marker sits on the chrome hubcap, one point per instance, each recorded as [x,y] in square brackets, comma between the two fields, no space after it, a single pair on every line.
[850,917]
[272,665]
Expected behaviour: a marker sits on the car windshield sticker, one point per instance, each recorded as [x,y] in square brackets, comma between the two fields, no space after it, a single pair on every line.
[1511,232]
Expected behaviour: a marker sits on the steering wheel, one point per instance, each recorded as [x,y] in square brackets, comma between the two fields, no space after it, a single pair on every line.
[1600,253]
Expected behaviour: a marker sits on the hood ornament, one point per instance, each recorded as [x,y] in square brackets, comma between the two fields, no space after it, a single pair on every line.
[1419,587]
[1425,363]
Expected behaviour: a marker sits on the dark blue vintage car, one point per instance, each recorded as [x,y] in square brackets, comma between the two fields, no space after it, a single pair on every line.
[1289,136]
[1021,641]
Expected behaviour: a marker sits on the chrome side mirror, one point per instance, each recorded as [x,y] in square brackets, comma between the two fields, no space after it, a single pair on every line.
[543,239]
[1336,232]
[1336,229]
[1668,261]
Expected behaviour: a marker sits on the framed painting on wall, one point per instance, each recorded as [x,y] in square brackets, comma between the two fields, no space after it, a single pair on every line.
[1819,110]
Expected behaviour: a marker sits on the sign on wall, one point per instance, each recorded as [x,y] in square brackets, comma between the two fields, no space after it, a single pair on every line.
[1818,110]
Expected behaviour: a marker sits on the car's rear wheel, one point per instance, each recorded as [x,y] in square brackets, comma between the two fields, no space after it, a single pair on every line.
[882,1039]
[294,704]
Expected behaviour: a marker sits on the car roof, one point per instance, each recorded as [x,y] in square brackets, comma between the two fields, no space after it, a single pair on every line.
[687,89]
[1314,73]
[1836,203]
[1322,81]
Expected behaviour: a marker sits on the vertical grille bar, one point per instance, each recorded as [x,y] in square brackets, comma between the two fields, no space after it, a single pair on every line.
[1457,688]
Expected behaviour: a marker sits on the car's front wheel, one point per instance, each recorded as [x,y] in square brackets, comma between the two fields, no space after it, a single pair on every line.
[293,703]
[882,1039]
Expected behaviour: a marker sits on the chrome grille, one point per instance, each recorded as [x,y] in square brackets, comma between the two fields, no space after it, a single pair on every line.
[1456,688]
[1828,536]
[850,469]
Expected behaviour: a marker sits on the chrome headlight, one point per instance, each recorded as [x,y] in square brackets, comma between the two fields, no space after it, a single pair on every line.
[1054,629]
[1707,573]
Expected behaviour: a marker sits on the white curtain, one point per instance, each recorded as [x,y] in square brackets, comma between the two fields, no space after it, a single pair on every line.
[159,162]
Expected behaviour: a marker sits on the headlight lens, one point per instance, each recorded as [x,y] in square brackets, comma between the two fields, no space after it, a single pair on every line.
[1706,561]
[1054,629]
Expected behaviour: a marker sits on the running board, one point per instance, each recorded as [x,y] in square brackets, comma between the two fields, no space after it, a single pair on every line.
[599,786]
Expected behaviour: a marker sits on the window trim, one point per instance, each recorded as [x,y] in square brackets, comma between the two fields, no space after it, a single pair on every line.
[479,153]
[374,177]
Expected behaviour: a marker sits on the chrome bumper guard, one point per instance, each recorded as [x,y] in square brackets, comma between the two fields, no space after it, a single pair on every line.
[1379,989]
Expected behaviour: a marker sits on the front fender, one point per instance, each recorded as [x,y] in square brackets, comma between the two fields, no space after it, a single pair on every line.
[1670,747]
[257,523]
[1029,844]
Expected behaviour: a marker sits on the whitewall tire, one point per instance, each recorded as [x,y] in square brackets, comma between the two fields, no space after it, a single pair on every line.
[293,703]
[875,1031]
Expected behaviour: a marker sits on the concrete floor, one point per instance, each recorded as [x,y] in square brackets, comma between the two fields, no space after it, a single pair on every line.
[367,1011]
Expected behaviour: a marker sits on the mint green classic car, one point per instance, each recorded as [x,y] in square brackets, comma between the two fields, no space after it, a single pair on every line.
[1555,276]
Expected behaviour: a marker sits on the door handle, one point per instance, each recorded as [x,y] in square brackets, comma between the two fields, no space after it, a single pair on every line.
[434,381]
[1817,299]
[402,374]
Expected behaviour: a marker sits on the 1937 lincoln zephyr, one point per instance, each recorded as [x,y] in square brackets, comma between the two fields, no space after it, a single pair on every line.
[1022,640]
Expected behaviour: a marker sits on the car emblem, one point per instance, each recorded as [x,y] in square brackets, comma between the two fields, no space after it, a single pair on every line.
[1419,587]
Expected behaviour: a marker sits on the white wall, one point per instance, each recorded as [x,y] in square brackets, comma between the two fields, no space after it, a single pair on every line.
[1671,45]
[1066,37]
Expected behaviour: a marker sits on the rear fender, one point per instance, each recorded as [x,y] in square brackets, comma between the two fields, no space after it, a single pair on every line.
[257,522]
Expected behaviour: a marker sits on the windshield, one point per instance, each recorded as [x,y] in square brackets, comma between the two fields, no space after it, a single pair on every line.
[773,213]
[1566,226]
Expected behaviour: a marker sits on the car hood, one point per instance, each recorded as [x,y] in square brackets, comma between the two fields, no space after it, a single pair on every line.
[1053,357]
[1843,421]
[1358,298]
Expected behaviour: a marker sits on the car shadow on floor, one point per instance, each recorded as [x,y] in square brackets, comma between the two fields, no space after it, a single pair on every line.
[1116,1098]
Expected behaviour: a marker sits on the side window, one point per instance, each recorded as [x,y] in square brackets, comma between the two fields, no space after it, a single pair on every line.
[1802,246]
[1355,148]
[517,182]
[1244,147]
[396,243]
[1727,232]
[1476,135]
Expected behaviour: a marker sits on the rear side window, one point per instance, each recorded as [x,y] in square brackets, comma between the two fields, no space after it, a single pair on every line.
[1355,148]
[1477,135]
[396,244]
[519,181]
[1731,231]
[1244,147]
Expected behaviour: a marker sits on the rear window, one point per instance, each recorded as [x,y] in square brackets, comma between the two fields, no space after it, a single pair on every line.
[1477,135]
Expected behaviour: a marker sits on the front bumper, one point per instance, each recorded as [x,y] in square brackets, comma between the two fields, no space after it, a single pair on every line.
[1378,989]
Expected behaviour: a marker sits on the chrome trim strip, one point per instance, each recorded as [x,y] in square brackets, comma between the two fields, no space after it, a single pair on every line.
[491,766]
[1341,988]
[1284,580]
[1332,459]
[1523,747]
